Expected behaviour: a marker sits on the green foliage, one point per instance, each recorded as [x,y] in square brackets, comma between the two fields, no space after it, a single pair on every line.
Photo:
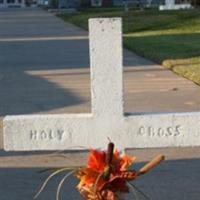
[54,3]
[140,21]
[85,3]
[195,3]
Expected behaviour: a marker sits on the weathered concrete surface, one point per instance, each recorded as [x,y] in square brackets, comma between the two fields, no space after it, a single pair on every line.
[48,81]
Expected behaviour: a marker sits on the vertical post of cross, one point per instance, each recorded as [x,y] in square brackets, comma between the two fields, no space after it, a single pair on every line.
[106,67]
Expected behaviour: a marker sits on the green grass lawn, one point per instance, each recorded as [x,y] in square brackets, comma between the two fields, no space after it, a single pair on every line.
[168,37]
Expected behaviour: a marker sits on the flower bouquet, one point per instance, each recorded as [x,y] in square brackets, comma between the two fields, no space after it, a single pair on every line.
[107,176]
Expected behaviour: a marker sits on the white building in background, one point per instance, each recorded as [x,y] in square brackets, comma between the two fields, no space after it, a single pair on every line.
[172,5]
[12,3]
[43,2]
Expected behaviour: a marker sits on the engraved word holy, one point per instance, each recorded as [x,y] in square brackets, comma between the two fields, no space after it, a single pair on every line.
[46,134]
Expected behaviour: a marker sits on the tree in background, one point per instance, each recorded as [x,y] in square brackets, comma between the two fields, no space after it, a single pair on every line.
[196,3]
[85,3]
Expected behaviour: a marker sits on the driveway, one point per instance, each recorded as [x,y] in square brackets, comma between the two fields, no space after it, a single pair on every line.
[44,68]
[41,57]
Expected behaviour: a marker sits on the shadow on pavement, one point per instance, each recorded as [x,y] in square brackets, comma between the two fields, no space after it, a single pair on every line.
[22,93]
[174,180]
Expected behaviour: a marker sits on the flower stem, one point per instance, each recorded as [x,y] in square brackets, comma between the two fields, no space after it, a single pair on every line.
[109,158]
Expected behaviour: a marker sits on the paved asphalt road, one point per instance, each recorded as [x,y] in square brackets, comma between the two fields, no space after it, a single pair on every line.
[44,68]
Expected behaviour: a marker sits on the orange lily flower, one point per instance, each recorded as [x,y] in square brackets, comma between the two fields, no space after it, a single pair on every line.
[100,180]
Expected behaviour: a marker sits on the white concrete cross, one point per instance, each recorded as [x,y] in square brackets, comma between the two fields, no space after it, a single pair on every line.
[70,131]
